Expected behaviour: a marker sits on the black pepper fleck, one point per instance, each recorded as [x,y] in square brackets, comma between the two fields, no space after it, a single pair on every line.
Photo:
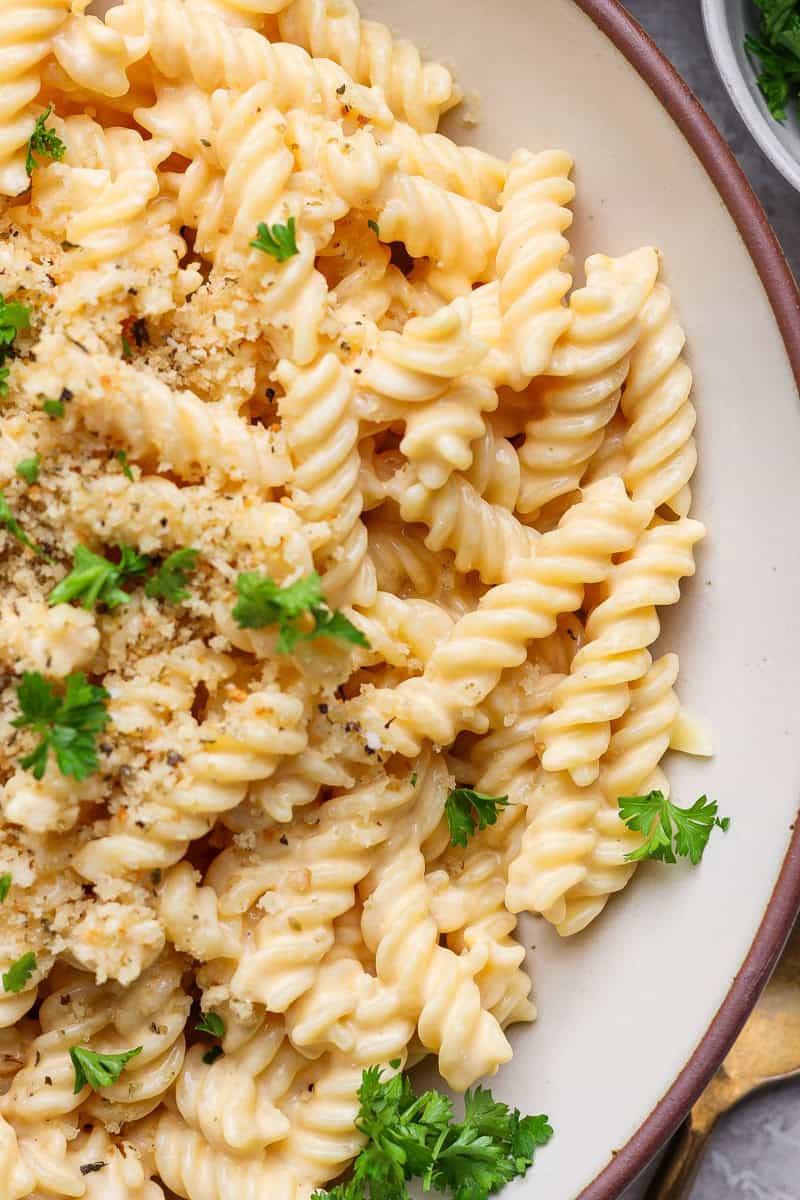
[89,1168]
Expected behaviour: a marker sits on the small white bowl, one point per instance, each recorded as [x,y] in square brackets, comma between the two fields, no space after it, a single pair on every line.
[727,22]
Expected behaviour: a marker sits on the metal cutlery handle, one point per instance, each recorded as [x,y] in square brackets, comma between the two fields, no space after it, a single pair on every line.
[679,1167]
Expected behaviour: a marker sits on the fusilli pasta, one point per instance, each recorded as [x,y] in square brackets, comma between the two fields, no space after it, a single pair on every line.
[334,529]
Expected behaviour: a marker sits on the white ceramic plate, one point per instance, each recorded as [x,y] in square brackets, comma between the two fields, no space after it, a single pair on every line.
[625,1007]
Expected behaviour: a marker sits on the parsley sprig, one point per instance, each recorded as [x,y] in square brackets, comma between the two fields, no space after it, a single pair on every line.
[778,51]
[277,240]
[411,1136]
[67,724]
[5,885]
[45,142]
[169,581]
[97,1069]
[468,810]
[95,580]
[18,974]
[669,830]
[263,602]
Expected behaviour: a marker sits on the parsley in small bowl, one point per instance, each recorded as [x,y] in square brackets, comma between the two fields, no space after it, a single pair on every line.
[756,46]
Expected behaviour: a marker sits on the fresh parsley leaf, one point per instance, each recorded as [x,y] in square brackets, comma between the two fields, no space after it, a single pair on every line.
[263,602]
[127,348]
[413,778]
[170,579]
[373,225]
[67,724]
[212,1055]
[5,886]
[54,408]
[13,526]
[468,810]
[14,317]
[277,240]
[669,830]
[18,974]
[45,142]
[411,1136]
[28,469]
[778,52]
[122,459]
[335,624]
[212,1023]
[95,580]
[97,1069]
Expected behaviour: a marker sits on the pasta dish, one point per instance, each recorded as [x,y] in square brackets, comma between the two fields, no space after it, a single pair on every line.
[335,519]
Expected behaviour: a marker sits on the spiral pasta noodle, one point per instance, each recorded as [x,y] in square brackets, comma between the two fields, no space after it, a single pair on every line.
[656,402]
[592,362]
[401,931]
[417,91]
[532,282]
[573,852]
[28,31]
[576,734]
[322,432]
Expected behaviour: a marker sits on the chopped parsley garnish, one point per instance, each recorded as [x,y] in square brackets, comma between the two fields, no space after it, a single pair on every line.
[468,810]
[54,408]
[13,526]
[373,225]
[97,1069]
[669,830]
[413,778]
[28,469]
[5,886]
[127,348]
[67,724]
[212,1023]
[778,52]
[212,1055]
[263,602]
[169,581]
[122,459]
[95,580]
[14,317]
[416,1137]
[45,142]
[18,974]
[277,240]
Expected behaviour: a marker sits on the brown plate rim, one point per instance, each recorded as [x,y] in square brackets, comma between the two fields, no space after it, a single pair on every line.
[779,284]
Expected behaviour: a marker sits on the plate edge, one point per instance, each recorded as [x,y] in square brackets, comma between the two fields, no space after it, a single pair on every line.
[782,292]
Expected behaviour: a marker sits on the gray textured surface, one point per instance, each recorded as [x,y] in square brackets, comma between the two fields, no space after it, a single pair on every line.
[755,1152]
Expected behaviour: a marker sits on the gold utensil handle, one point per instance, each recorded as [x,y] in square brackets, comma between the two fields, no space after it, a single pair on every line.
[680,1165]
